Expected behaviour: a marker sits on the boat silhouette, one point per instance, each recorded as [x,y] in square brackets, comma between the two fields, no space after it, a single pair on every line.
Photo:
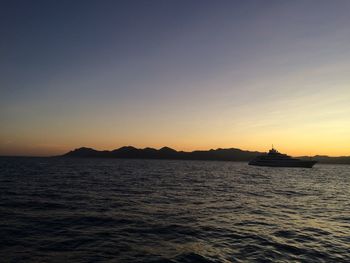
[276,159]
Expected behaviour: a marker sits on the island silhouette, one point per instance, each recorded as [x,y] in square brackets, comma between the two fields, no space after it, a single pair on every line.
[220,154]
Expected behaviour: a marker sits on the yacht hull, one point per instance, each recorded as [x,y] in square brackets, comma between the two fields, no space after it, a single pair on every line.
[299,163]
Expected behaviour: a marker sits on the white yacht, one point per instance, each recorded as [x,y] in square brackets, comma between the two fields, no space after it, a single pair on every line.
[275,159]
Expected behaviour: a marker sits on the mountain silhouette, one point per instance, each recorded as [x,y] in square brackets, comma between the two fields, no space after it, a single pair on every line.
[231,154]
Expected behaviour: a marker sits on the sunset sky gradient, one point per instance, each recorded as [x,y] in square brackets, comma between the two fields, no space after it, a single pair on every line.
[185,74]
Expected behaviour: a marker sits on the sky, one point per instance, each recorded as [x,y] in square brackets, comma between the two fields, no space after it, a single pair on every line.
[184,74]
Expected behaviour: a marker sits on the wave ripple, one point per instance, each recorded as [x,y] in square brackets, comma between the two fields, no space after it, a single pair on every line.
[96,210]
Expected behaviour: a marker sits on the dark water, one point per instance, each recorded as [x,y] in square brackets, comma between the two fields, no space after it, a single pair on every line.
[94,210]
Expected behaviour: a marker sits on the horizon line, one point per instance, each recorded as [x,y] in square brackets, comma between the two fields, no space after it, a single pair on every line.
[219,148]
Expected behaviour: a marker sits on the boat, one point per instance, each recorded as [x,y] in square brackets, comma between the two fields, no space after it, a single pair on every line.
[276,159]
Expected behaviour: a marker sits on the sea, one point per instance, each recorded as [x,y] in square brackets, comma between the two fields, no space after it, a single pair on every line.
[160,211]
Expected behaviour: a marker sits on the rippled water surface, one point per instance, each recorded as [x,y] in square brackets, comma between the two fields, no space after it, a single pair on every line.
[97,210]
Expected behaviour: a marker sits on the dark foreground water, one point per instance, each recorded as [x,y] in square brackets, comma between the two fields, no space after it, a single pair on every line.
[105,210]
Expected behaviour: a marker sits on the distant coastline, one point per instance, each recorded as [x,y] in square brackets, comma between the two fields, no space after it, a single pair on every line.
[230,154]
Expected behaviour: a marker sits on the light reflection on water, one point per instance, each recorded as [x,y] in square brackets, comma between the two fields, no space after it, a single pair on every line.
[113,210]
